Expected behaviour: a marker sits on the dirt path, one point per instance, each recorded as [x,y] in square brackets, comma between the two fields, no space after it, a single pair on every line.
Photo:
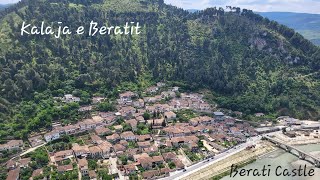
[32,149]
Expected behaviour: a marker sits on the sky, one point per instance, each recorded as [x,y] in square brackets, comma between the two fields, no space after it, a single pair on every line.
[8,1]
[302,6]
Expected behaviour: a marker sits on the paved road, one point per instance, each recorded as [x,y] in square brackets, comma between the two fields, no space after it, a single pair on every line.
[205,163]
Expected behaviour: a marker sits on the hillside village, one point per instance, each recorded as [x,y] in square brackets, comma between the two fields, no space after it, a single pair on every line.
[146,137]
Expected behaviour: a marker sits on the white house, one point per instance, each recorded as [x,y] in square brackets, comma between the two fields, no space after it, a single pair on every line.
[69,98]
[51,136]
[174,89]
[161,84]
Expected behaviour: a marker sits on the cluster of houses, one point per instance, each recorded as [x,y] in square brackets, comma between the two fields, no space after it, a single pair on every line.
[80,127]
[15,167]
[117,145]
[214,129]
[149,154]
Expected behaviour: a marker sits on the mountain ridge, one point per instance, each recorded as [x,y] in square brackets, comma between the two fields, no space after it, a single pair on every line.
[306,24]
[3,6]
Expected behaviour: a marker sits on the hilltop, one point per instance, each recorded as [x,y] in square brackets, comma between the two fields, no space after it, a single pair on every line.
[248,63]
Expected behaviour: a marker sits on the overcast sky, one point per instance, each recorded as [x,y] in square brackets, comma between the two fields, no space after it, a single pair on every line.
[8,1]
[305,6]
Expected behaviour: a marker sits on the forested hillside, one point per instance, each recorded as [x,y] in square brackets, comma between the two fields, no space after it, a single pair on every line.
[250,64]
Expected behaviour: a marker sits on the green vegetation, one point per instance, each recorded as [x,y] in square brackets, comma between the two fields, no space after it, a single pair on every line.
[194,157]
[106,106]
[142,129]
[146,116]
[63,176]
[154,154]
[39,158]
[171,165]
[103,174]
[132,145]
[186,115]
[3,173]
[6,155]
[26,173]
[200,144]
[66,162]
[123,159]
[141,169]
[249,63]
[64,143]
[121,6]
[126,127]
[133,177]
[92,164]
[119,121]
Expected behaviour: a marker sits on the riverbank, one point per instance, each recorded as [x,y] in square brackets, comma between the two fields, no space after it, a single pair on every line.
[222,167]
[286,160]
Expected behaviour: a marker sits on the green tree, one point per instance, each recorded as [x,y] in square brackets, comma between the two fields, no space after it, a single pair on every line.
[92,164]
[106,107]
[146,116]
